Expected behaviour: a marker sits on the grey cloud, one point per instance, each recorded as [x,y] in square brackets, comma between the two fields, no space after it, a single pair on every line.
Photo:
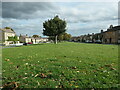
[0,9]
[24,9]
[91,12]
[28,10]
[119,13]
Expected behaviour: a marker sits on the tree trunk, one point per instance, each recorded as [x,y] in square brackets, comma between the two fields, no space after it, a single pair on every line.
[56,39]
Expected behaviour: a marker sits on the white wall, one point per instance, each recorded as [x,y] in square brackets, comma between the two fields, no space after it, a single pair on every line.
[6,35]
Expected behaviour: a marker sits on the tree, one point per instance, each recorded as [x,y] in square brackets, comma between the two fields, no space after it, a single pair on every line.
[35,36]
[62,37]
[66,36]
[54,27]
[7,27]
[14,39]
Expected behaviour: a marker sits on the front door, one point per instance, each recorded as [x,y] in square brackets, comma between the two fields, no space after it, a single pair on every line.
[110,40]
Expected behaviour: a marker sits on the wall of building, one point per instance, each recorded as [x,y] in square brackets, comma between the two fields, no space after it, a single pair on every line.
[6,35]
[21,39]
[27,40]
[111,37]
[1,35]
[117,36]
[36,41]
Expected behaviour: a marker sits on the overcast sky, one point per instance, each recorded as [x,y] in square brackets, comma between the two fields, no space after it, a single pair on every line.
[81,17]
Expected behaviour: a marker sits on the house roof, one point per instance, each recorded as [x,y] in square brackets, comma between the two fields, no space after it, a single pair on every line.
[7,30]
[24,36]
[115,28]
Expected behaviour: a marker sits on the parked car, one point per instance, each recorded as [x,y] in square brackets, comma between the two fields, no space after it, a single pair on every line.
[17,44]
[88,41]
[98,41]
[30,43]
[25,44]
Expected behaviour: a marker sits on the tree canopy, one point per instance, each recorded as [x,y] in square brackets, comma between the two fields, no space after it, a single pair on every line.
[14,39]
[62,37]
[36,36]
[54,27]
[7,27]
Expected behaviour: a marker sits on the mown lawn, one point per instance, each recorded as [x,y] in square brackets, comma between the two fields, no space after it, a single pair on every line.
[65,65]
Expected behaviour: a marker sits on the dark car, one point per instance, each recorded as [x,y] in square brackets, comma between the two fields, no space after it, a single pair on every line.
[98,41]
[25,44]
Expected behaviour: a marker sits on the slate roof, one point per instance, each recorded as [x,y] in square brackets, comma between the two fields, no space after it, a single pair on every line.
[24,36]
[115,28]
[7,30]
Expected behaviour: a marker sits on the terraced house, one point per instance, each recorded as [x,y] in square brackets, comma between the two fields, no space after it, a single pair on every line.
[110,36]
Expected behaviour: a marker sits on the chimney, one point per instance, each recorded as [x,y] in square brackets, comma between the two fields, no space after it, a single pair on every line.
[101,31]
[111,26]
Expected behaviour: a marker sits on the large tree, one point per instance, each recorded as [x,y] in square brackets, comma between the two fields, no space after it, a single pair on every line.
[54,27]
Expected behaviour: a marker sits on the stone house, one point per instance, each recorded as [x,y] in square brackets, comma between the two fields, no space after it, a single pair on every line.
[74,39]
[80,38]
[84,38]
[97,38]
[88,38]
[112,35]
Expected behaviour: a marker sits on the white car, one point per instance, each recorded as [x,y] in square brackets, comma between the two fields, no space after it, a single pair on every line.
[18,44]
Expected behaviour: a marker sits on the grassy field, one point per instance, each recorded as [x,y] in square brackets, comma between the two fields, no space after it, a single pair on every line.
[65,65]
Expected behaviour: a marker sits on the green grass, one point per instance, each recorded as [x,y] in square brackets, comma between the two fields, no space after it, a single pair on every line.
[65,65]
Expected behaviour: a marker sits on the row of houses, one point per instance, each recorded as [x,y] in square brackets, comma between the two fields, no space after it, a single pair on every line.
[6,33]
[110,36]
[34,40]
